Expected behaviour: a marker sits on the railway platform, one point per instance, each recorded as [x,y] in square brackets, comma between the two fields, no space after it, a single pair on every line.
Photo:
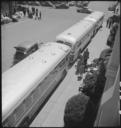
[51,115]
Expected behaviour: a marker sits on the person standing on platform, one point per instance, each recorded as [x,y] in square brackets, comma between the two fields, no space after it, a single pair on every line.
[109,22]
[36,14]
[28,12]
[114,29]
[33,12]
[24,11]
[39,18]
[86,57]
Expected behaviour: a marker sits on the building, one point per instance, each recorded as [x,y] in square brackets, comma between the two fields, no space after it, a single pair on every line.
[7,7]
[108,113]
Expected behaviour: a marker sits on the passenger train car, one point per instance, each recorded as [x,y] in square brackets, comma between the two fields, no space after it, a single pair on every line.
[80,34]
[26,85]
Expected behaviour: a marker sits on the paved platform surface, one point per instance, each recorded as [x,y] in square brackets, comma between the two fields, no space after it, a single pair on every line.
[53,112]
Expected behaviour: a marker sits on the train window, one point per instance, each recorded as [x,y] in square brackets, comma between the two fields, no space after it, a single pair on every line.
[6,123]
[28,102]
[39,88]
[83,39]
[25,122]
[101,18]
[55,70]
[61,63]
[62,42]
[24,105]
[59,41]
[45,83]
[35,95]
[19,112]
[67,43]
[79,43]
[67,57]
[11,120]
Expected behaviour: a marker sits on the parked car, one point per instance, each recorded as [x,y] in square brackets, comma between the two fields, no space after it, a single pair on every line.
[15,18]
[71,3]
[62,6]
[79,4]
[19,14]
[22,2]
[84,10]
[24,49]
[5,19]
[46,3]
[85,3]
[82,3]
[34,3]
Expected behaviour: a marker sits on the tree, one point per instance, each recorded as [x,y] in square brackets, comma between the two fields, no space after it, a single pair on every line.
[105,53]
[96,62]
[79,111]
[110,40]
[89,83]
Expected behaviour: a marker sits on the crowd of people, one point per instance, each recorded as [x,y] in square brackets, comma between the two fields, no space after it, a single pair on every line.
[82,64]
[31,12]
[111,37]
[34,13]
[112,23]
[81,109]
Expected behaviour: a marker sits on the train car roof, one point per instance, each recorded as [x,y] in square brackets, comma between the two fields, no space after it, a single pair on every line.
[94,16]
[75,32]
[18,80]
[26,44]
